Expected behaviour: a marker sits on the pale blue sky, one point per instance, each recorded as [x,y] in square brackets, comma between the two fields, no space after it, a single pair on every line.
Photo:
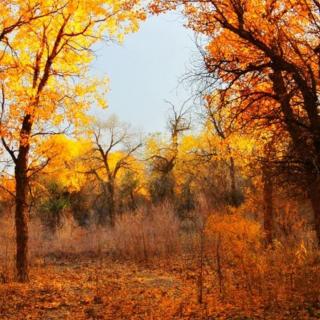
[145,70]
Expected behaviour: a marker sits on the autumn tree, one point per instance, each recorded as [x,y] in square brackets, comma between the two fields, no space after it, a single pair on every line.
[50,48]
[264,57]
[59,185]
[15,14]
[114,147]
[163,156]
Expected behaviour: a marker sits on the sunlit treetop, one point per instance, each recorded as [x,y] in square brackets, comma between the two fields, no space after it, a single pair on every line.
[45,54]
[62,156]
[246,42]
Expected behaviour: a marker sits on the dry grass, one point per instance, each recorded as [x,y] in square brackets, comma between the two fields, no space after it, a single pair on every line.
[221,256]
[136,236]
[141,236]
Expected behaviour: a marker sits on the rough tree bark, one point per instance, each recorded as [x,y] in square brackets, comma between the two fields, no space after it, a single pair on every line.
[21,209]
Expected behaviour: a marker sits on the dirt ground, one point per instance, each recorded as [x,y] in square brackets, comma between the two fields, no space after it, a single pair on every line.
[93,288]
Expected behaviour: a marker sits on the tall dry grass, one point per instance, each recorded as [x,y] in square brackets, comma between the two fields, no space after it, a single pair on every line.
[226,252]
[140,236]
[7,248]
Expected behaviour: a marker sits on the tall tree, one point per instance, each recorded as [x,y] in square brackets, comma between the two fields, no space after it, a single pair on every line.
[114,148]
[45,83]
[264,57]
[163,156]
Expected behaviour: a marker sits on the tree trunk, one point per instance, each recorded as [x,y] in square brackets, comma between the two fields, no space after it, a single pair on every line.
[299,141]
[21,220]
[111,203]
[112,211]
[133,205]
[21,209]
[268,205]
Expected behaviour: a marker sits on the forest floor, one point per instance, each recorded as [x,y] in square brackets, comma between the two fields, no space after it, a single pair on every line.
[99,288]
